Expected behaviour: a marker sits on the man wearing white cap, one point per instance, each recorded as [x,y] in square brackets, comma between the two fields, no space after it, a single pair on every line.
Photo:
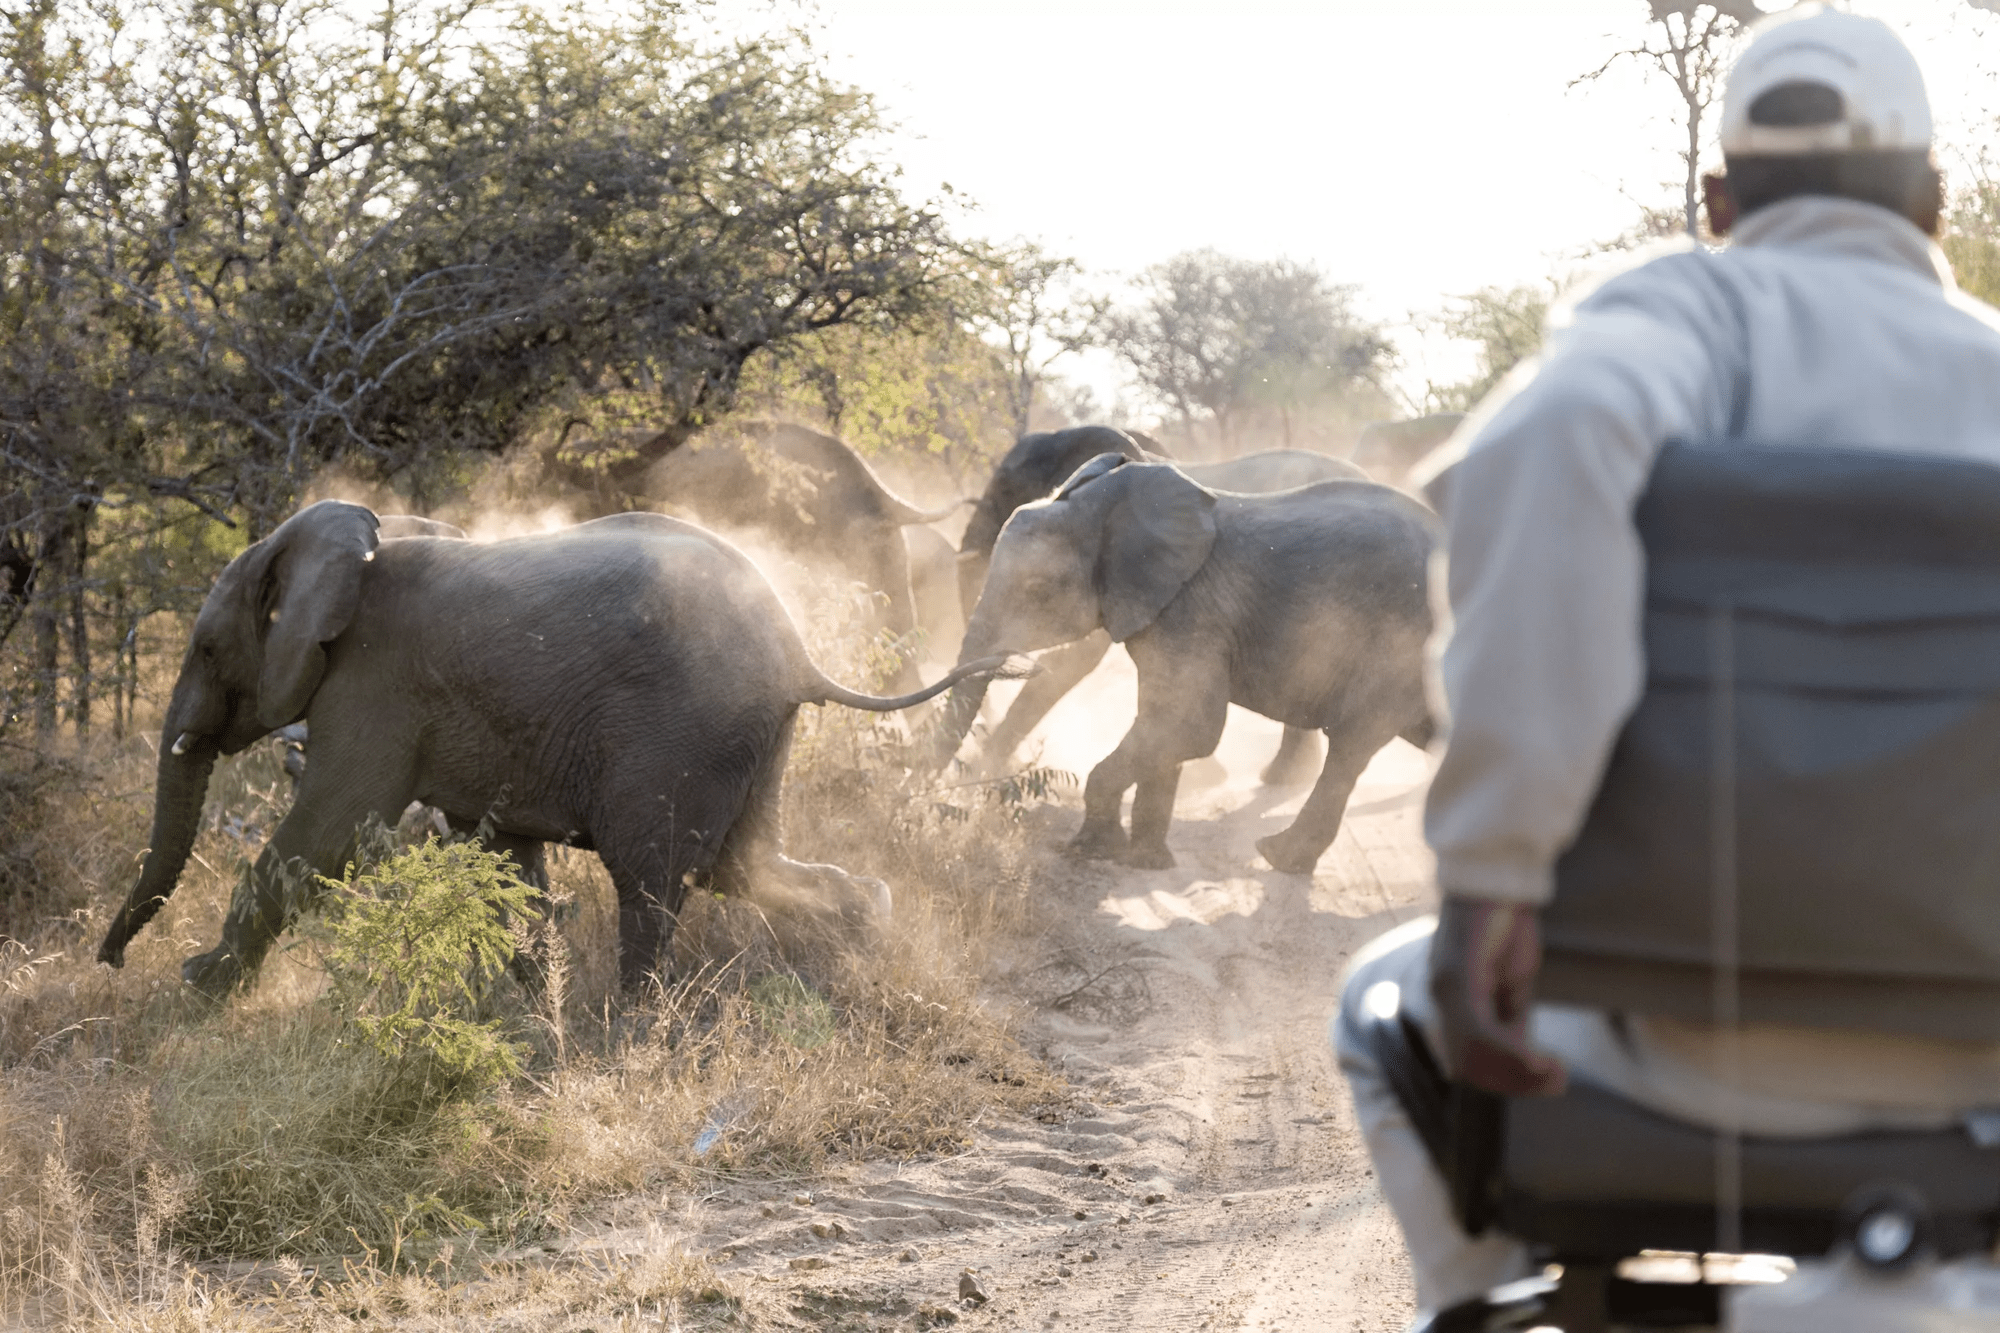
[1832,318]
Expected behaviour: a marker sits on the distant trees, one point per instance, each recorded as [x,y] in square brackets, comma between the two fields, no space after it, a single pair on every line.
[1505,324]
[1036,312]
[1234,342]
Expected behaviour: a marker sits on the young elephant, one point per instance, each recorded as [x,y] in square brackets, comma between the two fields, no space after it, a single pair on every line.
[626,686]
[1032,470]
[1307,606]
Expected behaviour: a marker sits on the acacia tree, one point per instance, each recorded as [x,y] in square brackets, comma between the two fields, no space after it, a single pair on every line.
[1227,340]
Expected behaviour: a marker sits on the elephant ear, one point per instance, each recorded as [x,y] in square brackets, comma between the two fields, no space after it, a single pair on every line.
[1157,534]
[309,593]
[1090,472]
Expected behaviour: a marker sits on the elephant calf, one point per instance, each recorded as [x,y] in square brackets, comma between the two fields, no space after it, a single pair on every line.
[626,686]
[1306,606]
[1032,470]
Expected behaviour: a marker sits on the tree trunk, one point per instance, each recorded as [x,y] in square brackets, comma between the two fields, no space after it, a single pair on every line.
[44,614]
[79,622]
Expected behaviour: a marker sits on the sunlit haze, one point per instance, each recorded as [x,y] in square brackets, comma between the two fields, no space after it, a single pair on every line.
[1417,148]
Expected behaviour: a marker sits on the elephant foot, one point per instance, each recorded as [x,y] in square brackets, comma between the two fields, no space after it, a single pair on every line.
[1288,856]
[1099,842]
[215,973]
[1148,856]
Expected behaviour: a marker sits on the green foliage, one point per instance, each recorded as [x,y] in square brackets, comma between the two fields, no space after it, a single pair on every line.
[792,1011]
[1971,239]
[415,944]
[1506,324]
[1248,345]
[930,388]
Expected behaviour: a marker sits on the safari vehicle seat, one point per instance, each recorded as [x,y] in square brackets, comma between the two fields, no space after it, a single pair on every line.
[1801,824]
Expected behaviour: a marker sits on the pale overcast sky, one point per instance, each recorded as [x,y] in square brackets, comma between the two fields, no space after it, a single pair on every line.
[1415,147]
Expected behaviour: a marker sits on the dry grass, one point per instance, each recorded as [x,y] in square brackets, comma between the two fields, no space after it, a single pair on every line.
[146,1138]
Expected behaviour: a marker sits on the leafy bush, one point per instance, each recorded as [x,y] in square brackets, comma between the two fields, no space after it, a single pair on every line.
[416,944]
[364,1116]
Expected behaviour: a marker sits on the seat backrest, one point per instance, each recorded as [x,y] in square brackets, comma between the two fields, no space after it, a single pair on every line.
[1817,751]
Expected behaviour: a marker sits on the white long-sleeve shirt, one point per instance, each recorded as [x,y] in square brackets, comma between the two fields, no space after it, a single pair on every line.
[1826,322]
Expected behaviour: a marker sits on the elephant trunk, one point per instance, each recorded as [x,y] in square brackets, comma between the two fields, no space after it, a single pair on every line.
[177,798]
[961,707]
[975,547]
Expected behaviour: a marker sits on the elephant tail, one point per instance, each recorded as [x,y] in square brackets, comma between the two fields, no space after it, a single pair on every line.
[904,514]
[1003,666]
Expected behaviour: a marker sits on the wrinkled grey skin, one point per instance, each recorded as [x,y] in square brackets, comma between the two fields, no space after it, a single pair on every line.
[1033,469]
[294,736]
[808,495]
[626,686]
[1306,606]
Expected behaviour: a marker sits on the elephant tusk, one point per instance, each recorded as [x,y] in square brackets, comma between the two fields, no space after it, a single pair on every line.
[187,738]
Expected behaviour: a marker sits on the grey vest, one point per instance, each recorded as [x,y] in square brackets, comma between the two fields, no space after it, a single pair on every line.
[1811,780]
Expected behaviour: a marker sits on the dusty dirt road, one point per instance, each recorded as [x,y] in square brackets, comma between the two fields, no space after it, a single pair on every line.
[1208,1174]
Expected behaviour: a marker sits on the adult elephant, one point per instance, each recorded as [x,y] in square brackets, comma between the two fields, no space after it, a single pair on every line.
[1039,463]
[807,494]
[627,686]
[1307,606]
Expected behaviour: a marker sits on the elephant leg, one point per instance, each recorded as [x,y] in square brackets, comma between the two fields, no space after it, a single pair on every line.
[1296,850]
[1103,835]
[1061,671]
[651,864]
[1181,713]
[1300,757]
[1186,725]
[1152,814]
[315,838]
[753,853]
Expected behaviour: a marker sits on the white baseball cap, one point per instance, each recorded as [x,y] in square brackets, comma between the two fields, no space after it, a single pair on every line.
[1817,80]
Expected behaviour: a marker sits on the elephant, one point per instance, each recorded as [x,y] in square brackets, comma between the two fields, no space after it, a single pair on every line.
[1307,606]
[1033,468]
[409,525]
[933,585]
[1393,449]
[626,686]
[807,494]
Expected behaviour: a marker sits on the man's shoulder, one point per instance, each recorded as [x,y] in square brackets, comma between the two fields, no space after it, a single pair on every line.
[1660,275]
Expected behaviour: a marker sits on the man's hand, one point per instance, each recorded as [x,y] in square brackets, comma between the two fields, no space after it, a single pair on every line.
[1484,961]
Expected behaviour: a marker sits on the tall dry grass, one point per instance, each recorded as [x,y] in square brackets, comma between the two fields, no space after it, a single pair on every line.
[148,1140]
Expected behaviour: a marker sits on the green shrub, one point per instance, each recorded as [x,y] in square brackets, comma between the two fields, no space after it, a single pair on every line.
[365,1116]
[415,945]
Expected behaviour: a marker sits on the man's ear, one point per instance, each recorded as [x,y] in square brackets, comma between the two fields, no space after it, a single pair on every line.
[1929,211]
[1721,203]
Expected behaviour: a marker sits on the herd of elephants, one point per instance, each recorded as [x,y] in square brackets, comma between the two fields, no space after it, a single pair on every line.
[628,685]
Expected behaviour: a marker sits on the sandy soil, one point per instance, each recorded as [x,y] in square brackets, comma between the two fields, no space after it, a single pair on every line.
[1208,1174]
